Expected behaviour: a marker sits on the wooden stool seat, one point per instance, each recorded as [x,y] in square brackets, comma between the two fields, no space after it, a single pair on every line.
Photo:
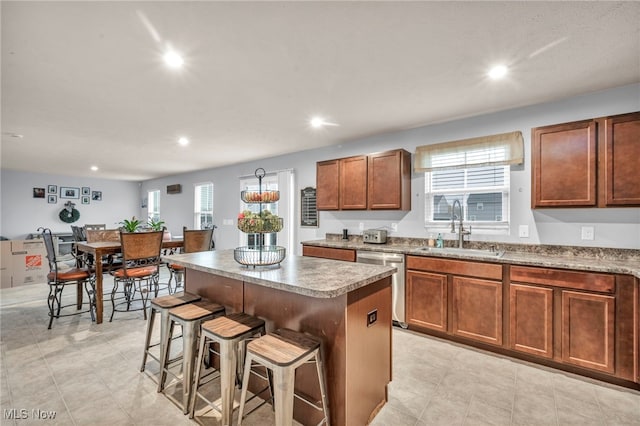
[229,332]
[283,347]
[196,311]
[162,304]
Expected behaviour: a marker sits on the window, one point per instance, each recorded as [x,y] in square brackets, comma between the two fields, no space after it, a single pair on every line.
[475,172]
[483,193]
[203,206]
[154,205]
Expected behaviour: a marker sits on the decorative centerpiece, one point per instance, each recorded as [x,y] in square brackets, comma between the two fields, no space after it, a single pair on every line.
[262,222]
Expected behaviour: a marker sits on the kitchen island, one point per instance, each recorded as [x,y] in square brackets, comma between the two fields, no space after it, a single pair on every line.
[347,305]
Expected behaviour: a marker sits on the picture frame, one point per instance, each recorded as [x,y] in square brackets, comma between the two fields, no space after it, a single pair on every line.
[38,192]
[86,190]
[96,195]
[52,199]
[52,189]
[86,199]
[69,192]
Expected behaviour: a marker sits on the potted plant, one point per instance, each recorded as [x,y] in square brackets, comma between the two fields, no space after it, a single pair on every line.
[131,225]
[156,224]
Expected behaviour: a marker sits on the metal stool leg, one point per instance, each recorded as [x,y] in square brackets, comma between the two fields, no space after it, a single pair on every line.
[189,332]
[147,340]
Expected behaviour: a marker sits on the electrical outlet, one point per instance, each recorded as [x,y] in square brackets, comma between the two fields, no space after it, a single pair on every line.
[523,231]
[394,227]
[361,226]
[372,317]
[587,233]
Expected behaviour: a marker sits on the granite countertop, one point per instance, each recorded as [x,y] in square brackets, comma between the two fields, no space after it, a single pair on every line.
[309,276]
[616,261]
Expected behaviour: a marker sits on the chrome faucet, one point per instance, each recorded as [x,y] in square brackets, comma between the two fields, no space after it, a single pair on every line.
[461,231]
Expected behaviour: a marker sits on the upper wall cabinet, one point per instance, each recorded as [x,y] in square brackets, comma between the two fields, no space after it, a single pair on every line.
[586,163]
[619,151]
[380,181]
[390,180]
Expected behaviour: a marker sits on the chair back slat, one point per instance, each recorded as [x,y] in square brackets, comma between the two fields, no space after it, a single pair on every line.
[94,236]
[141,248]
[197,240]
[51,251]
[95,226]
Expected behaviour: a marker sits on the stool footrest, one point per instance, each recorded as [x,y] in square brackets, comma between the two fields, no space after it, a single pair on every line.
[307,399]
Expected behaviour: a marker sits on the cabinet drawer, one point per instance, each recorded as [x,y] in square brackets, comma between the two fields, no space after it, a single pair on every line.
[566,279]
[457,267]
[329,253]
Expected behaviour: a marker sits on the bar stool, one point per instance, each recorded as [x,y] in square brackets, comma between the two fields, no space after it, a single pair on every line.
[190,317]
[283,351]
[230,332]
[162,305]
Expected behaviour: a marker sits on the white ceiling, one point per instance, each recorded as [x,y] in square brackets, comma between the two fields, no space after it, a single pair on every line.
[84,83]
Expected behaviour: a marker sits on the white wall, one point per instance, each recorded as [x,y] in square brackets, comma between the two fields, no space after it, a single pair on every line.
[614,227]
[22,214]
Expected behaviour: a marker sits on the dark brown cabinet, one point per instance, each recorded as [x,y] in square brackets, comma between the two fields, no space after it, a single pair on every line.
[327,185]
[380,181]
[456,297]
[389,180]
[619,151]
[426,304]
[531,319]
[329,253]
[563,164]
[586,163]
[353,183]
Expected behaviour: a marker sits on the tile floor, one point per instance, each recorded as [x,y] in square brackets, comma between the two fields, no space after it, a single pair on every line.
[89,374]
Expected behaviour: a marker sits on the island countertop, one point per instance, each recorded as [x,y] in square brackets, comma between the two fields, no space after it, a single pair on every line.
[307,276]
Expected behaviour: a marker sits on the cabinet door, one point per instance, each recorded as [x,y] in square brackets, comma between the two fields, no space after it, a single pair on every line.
[327,185]
[531,319]
[426,303]
[329,253]
[588,330]
[619,144]
[353,183]
[563,171]
[390,180]
[477,309]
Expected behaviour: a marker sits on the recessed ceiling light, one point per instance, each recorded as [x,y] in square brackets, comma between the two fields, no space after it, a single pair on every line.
[498,71]
[317,123]
[173,59]
[183,141]
[94,168]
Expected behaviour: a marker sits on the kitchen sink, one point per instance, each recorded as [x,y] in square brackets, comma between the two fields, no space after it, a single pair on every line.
[464,251]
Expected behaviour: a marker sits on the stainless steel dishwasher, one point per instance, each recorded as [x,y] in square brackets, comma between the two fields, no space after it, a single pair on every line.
[397,279]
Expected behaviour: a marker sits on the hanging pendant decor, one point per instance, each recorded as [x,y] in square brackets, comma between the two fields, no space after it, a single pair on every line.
[69,214]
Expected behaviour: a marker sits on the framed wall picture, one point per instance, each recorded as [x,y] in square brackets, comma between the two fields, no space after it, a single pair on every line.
[52,189]
[85,199]
[96,195]
[86,190]
[52,199]
[38,192]
[68,192]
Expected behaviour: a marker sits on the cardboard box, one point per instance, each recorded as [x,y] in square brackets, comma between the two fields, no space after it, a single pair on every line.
[27,263]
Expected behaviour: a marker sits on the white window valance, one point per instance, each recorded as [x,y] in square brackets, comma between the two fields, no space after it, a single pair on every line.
[493,150]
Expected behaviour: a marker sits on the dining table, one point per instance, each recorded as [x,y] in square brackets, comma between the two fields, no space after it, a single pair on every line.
[105,248]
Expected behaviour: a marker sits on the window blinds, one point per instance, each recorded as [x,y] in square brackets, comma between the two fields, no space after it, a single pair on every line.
[494,150]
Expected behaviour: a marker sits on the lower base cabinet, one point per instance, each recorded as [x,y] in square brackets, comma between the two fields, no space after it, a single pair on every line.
[427,300]
[477,309]
[531,319]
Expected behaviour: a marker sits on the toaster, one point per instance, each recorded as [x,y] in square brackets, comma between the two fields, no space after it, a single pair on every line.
[374,236]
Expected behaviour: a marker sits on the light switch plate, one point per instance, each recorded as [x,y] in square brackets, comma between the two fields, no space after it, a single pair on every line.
[587,233]
[394,227]
[523,231]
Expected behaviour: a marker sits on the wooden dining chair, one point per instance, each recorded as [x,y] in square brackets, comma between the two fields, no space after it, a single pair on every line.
[193,241]
[109,262]
[139,274]
[58,278]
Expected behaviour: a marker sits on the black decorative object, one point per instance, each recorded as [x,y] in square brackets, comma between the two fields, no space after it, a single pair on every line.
[69,214]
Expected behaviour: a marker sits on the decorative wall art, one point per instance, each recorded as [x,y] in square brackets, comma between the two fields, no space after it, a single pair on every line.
[52,199]
[96,195]
[68,192]
[38,192]
[52,189]
[86,190]
[85,199]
